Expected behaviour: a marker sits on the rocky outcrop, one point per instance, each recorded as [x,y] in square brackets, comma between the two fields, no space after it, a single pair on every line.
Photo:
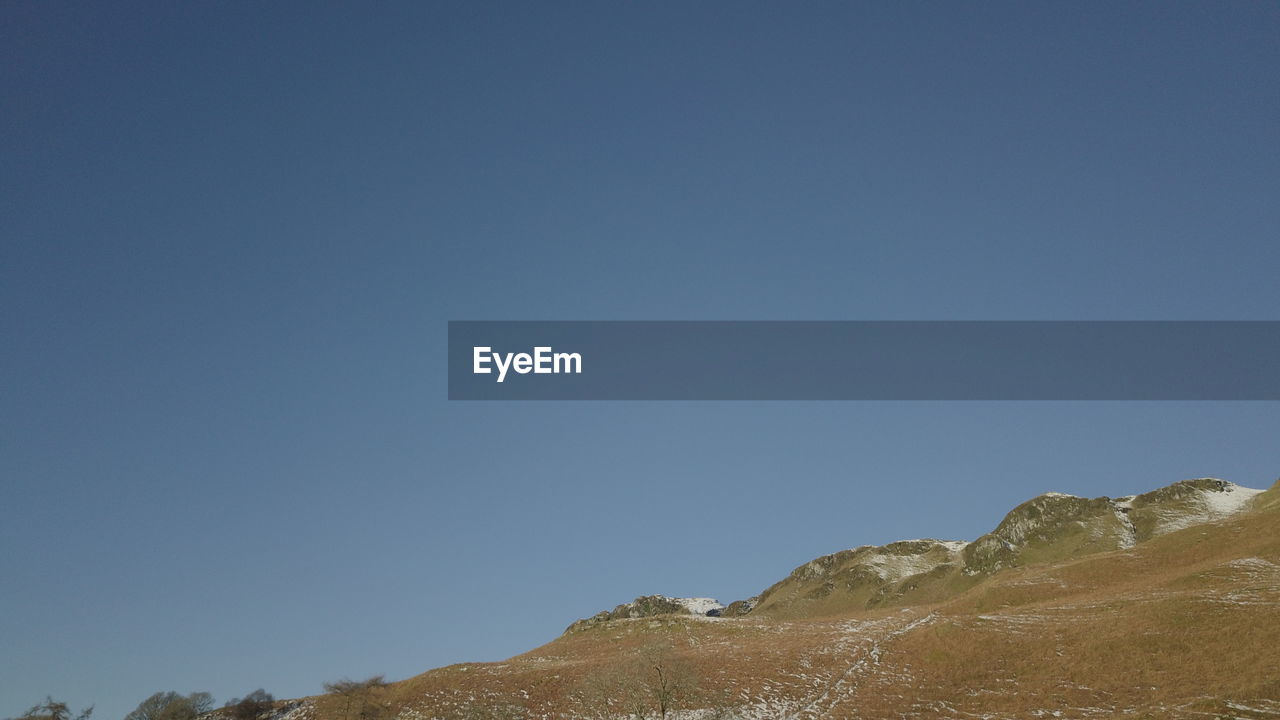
[652,606]
[868,576]
[1054,526]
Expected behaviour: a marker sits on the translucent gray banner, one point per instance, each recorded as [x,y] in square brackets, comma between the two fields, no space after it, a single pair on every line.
[877,360]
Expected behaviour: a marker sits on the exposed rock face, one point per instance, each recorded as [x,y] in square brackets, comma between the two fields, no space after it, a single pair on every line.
[1054,526]
[868,576]
[1048,527]
[738,608]
[653,606]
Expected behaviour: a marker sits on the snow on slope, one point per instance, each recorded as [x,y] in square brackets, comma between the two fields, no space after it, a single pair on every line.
[895,567]
[1231,500]
[1210,505]
[699,606]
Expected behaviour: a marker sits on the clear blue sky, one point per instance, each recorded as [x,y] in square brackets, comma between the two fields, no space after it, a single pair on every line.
[232,234]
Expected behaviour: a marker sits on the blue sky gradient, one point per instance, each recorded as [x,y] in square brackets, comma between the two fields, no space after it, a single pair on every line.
[232,235]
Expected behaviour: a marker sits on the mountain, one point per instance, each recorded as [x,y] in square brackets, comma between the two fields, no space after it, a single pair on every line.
[1164,604]
[1048,528]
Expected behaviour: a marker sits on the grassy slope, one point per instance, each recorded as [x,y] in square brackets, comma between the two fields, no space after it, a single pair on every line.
[1183,625]
[1179,624]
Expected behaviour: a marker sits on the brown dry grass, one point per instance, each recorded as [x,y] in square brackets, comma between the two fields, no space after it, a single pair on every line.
[1185,625]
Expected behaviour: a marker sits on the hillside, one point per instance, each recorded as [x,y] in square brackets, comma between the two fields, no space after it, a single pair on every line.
[1165,604]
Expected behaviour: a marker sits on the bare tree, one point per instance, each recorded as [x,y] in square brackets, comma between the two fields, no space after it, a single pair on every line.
[653,684]
[668,680]
[172,706]
[359,698]
[52,709]
[251,706]
[201,702]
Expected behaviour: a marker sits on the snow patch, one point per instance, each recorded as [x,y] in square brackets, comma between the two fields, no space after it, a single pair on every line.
[1213,505]
[1252,563]
[952,545]
[1128,533]
[699,606]
[1231,500]
[897,567]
